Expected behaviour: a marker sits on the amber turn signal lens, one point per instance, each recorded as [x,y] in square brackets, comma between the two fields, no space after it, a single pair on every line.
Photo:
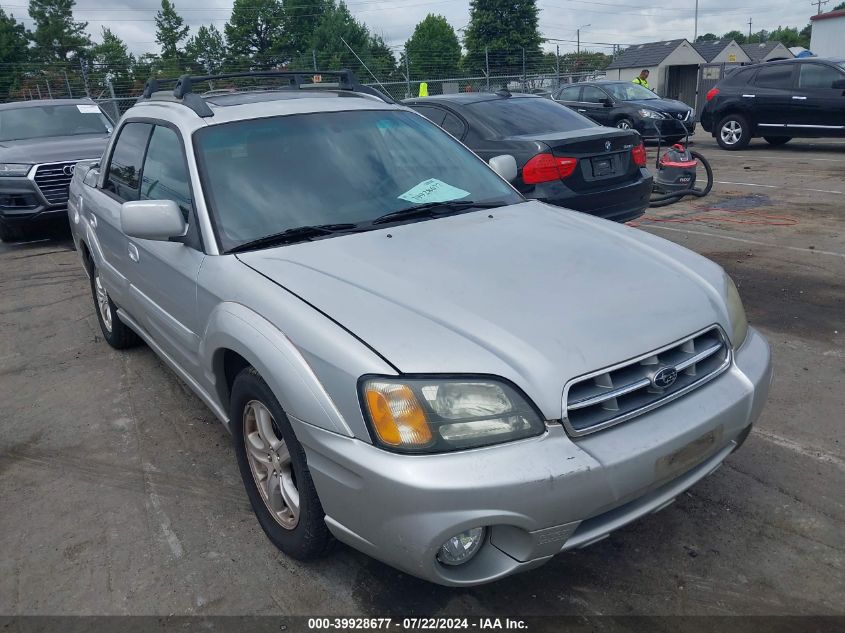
[397,416]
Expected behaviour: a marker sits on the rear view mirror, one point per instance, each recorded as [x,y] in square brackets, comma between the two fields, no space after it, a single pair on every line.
[839,84]
[505,166]
[607,103]
[152,219]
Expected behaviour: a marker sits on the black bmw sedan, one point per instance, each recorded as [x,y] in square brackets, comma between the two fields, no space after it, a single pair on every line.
[627,105]
[563,158]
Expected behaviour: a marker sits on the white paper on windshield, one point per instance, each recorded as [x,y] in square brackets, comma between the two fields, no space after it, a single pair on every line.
[433,190]
[88,109]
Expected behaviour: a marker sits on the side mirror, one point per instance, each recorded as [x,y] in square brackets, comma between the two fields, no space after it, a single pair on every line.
[607,103]
[152,219]
[505,166]
[839,84]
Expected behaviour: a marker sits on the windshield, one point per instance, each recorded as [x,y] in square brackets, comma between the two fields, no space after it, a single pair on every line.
[630,92]
[265,176]
[53,120]
[524,116]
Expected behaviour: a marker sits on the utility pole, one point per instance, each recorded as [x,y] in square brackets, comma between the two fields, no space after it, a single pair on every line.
[407,75]
[695,29]
[524,77]
[749,29]
[314,58]
[487,66]
[819,4]
[557,63]
[84,77]
[578,37]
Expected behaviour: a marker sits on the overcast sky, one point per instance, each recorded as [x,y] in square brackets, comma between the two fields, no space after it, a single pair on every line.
[609,21]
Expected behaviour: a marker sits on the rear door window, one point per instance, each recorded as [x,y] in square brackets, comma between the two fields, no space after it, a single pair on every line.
[568,94]
[779,76]
[124,175]
[522,116]
[454,125]
[435,115]
[817,76]
[591,94]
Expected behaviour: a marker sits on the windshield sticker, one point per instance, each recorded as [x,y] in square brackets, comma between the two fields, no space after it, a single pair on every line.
[88,109]
[433,190]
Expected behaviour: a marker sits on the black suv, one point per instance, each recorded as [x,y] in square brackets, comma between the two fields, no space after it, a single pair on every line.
[778,101]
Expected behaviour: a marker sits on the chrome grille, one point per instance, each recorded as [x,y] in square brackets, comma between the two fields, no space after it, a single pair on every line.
[53,181]
[616,394]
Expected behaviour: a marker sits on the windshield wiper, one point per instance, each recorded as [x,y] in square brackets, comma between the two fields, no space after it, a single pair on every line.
[294,235]
[433,209]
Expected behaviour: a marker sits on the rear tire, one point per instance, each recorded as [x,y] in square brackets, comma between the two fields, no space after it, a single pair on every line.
[274,470]
[117,334]
[733,132]
[777,140]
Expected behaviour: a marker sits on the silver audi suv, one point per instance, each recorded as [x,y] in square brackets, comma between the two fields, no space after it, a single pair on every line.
[411,357]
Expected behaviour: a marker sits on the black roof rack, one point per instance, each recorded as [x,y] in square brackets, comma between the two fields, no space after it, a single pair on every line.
[183,93]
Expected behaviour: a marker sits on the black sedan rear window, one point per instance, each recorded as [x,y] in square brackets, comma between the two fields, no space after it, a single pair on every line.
[524,116]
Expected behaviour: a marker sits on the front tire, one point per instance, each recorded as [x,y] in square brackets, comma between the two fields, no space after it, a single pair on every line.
[10,234]
[625,124]
[777,140]
[733,132]
[274,470]
[116,333]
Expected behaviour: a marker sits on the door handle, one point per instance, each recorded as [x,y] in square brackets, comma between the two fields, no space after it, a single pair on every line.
[581,110]
[133,253]
[93,219]
[749,96]
[799,98]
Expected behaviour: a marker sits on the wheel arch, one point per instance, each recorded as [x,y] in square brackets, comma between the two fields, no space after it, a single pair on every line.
[237,337]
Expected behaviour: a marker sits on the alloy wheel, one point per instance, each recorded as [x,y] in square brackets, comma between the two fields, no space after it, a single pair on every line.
[270,463]
[731,132]
[103,301]
[623,125]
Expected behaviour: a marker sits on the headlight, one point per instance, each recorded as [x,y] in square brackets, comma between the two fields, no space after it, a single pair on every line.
[14,169]
[435,415]
[739,324]
[649,114]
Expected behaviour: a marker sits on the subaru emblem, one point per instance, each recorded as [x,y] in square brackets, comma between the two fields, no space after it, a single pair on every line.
[607,145]
[664,378]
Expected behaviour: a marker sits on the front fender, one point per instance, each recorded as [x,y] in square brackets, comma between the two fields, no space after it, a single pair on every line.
[235,327]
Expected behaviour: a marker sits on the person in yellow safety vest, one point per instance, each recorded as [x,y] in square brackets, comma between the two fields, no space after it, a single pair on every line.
[642,79]
[423,89]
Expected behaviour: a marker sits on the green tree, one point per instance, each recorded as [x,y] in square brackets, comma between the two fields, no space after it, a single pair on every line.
[786,35]
[13,45]
[170,31]
[839,7]
[56,38]
[737,36]
[206,51]
[383,62]
[301,19]
[433,49]
[255,34]
[707,37]
[506,28]
[337,25]
[110,60]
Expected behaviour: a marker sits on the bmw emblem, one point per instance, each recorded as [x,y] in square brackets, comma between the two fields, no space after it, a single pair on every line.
[665,378]
[607,145]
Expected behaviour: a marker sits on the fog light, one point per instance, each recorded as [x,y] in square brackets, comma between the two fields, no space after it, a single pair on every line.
[462,547]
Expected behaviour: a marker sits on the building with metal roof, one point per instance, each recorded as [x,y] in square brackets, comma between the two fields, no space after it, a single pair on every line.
[766,51]
[722,52]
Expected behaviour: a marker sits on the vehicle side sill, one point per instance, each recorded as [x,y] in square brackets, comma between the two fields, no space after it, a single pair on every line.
[193,384]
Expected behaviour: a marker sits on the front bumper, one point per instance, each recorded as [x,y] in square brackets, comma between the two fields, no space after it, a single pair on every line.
[22,203]
[538,497]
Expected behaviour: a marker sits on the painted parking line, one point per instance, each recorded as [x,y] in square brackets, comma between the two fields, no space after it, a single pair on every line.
[754,184]
[816,251]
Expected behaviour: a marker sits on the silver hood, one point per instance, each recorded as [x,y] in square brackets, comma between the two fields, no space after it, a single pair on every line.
[53,149]
[534,293]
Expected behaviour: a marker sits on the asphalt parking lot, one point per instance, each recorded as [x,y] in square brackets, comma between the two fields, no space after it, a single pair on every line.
[120,493]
